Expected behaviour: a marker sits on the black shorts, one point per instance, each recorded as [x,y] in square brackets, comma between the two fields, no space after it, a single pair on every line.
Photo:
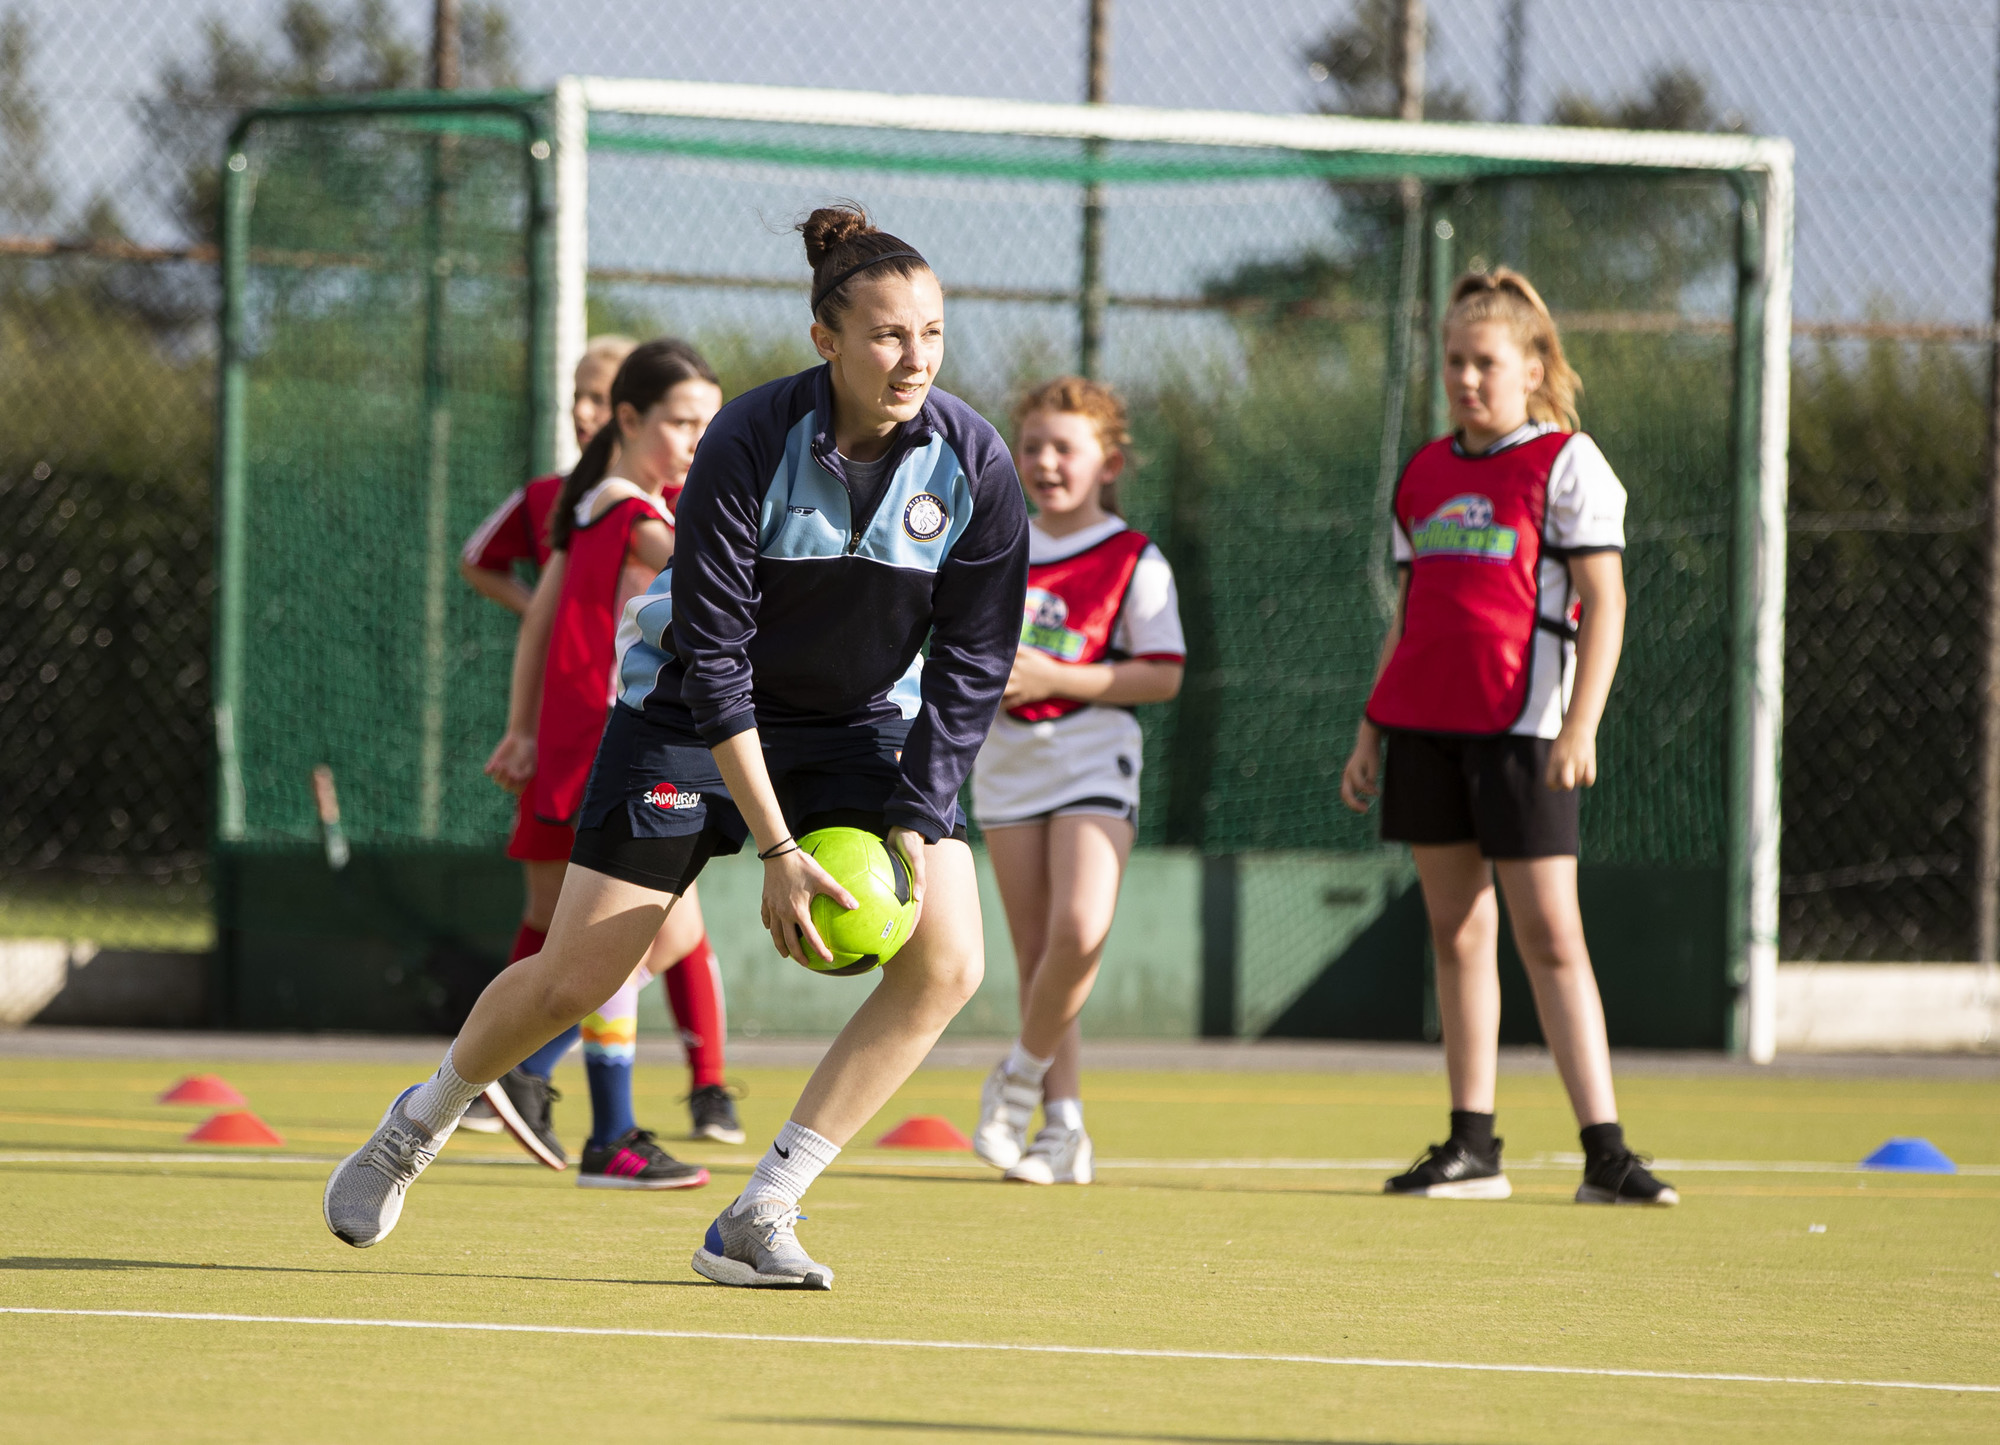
[1437,788]
[657,810]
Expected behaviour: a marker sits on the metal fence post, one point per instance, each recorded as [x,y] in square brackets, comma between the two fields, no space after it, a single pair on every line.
[1987,881]
[1090,281]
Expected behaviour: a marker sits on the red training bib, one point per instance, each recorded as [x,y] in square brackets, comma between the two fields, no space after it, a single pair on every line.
[1072,610]
[1464,661]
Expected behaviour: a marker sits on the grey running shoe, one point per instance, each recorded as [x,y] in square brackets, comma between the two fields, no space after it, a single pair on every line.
[1006,1107]
[1453,1170]
[522,1102]
[364,1194]
[759,1249]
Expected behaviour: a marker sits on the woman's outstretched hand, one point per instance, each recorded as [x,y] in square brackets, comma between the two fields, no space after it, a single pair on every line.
[791,880]
[512,765]
[1361,779]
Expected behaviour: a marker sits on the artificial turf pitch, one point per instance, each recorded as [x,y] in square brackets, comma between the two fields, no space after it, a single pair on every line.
[1802,1278]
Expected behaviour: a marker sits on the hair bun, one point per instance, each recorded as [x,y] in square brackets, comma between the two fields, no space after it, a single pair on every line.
[832,226]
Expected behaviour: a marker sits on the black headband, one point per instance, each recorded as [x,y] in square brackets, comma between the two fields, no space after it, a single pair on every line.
[820,293]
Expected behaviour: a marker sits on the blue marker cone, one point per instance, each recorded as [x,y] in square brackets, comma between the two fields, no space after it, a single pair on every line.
[1910,1156]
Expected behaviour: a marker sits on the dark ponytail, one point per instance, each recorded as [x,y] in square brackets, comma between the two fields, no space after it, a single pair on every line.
[652,370]
[843,244]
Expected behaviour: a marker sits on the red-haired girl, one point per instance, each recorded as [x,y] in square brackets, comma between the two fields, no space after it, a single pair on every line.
[1056,786]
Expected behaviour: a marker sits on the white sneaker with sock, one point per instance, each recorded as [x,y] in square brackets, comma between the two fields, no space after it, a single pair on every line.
[1006,1108]
[1059,1155]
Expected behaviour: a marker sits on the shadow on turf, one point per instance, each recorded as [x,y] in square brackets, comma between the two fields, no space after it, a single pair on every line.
[1047,1432]
[58,1262]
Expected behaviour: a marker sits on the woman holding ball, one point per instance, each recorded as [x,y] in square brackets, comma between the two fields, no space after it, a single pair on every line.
[834,522]
[1509,539]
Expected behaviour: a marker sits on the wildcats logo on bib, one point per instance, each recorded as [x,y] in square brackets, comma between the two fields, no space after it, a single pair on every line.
[666,795]
[1463,527]
[1044,626]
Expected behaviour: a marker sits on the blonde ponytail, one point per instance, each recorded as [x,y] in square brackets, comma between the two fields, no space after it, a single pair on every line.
[1507,297]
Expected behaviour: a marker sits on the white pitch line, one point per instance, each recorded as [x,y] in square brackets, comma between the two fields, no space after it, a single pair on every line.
[933,1161]
[1112,1351]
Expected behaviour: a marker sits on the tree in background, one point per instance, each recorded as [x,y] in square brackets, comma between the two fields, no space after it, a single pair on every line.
[26,197]
[319,49]
[1361,59]
[1675,98]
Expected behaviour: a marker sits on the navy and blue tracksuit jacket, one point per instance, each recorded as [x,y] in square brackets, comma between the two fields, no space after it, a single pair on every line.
[787,609]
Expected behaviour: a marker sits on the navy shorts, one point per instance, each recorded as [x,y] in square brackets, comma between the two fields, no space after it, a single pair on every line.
[1439,788]
[656,809]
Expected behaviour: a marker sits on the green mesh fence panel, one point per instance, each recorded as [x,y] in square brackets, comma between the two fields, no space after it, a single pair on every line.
[1275,343]
[1252,321]
[1269,316]
[383,398]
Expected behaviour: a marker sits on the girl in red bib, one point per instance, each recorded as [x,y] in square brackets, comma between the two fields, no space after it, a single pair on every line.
[1509,537]
[515,532]
[1056,786]
[610,535]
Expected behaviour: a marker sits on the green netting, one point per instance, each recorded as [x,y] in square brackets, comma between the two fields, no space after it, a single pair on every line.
[1254,313]
[1268,315]
[383,305]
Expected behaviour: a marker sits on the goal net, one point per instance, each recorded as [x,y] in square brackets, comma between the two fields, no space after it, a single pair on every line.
[1262,289]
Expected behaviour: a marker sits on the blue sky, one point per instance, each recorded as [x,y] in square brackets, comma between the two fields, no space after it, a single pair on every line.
[1890,102]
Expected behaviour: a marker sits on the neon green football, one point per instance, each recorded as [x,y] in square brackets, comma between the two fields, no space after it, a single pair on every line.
[868,935]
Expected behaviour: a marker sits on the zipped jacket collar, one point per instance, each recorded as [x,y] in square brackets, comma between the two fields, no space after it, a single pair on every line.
[914,433]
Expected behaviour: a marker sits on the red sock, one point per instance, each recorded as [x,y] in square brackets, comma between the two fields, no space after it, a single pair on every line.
[694,992]
[527,943]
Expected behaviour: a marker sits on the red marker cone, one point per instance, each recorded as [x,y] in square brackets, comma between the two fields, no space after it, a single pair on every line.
[925,1131]
[202,1089]
[234,1126]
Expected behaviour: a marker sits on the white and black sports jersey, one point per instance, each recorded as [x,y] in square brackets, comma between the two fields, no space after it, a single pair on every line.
[1028,769]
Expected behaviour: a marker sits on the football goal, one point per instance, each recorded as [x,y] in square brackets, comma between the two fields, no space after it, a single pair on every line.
[409,281]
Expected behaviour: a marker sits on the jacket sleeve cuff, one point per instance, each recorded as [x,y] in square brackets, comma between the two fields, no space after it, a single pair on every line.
[722,729]
[906,815]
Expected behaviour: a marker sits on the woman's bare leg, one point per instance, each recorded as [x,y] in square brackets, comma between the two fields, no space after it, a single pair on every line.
[678,935]
[922,989]
[544,886]
[1548,929]
[1086,862]
[601,929]
[1465,935]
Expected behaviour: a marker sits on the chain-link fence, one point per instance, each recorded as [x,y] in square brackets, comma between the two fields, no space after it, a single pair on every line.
[111,124]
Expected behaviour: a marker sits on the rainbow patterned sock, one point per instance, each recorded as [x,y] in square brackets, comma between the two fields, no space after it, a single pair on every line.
[609,1037]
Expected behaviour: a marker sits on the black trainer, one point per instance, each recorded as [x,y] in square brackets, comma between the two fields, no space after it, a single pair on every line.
[713,1109]
[1453,1170]
[636,1162]
[522,1101]
[480,1118]
[1623,1178]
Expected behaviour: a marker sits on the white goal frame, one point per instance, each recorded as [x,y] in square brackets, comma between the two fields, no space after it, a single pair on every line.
[1767,163]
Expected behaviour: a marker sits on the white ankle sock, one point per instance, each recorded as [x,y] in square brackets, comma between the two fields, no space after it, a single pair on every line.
[1025,1066]
[788,1167]
[442,1100]
[1063,1113]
